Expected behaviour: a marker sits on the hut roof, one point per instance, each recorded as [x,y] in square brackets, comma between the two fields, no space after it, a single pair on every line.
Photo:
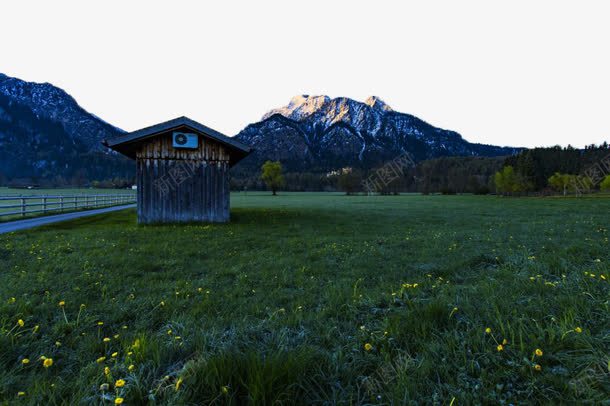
[126,144]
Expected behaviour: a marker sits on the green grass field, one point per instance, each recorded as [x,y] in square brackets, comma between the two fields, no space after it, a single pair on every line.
[314,298]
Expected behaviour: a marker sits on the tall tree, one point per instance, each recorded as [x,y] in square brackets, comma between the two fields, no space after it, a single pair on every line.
[510,182]
[560,182]
[272,175]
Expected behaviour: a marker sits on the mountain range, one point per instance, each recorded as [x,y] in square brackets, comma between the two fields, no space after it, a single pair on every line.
[45,134]
[317,132]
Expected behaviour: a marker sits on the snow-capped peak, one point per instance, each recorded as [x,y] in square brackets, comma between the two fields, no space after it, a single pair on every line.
[300,106]
[376,103]
[344,109]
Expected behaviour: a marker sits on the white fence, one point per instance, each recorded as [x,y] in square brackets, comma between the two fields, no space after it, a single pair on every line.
[24,205]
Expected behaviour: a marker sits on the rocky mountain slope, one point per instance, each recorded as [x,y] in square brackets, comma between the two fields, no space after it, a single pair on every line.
[320,133]
[53,103]
[44,133]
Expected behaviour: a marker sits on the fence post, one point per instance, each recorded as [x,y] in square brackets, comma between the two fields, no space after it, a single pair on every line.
[61,203]
[44,204]
[95,201]
[75,202]
[23,206]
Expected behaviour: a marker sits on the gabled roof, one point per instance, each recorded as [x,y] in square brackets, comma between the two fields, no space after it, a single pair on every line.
[126,143]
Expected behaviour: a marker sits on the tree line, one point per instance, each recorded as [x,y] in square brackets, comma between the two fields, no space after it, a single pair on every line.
[556,170]
[538,170]
[448,175]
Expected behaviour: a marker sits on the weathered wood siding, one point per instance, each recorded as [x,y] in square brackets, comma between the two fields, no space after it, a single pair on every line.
[182,185]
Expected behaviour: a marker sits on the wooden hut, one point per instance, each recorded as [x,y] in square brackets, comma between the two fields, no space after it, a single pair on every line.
[182,170]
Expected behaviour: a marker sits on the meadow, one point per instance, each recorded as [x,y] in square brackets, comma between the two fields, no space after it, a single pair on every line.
[314,299]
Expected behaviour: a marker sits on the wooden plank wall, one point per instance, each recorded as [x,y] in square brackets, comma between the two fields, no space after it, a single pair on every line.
[202,196]
[160,147]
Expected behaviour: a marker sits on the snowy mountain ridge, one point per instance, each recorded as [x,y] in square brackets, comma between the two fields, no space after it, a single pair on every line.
[53,103]
[328,133]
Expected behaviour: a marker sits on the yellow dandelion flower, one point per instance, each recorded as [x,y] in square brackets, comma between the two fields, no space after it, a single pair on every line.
[62,303]
[578,330]
[115,354]
[21,393]
[169,332]
[116,336]
[538,352]
[537,367]
[100,360]
[119,383]
[131,368]
[500,347]
[225,389]
[118,401]
[106,371]
[368,347]
[504,342]
[25,361]
[21,323]
[100,323]
[488,330]
[47,362]
[106,339]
